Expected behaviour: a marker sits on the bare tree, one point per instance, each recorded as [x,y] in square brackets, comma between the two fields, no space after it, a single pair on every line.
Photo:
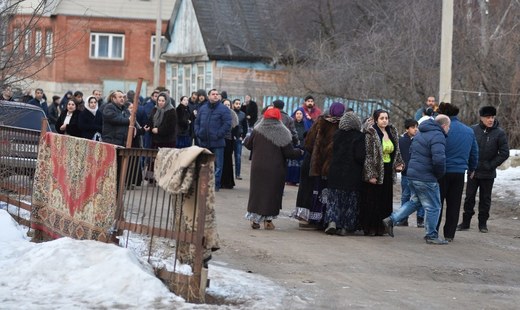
[24,51]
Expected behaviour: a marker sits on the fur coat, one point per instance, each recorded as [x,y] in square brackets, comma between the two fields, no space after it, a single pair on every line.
[319,143]
[374,166]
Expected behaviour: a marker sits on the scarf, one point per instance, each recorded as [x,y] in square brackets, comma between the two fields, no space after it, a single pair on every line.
[159,114]
[93,111]
[274,131]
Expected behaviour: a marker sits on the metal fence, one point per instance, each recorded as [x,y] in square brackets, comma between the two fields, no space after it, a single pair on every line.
[165,230]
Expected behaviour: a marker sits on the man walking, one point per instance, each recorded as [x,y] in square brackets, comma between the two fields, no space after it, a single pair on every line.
[427,165]
[239,133]
[493,151]
[211,125]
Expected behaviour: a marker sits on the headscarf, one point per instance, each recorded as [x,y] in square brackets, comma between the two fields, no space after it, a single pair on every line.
[93,111]
[159,113]
[337,109]
[350,121]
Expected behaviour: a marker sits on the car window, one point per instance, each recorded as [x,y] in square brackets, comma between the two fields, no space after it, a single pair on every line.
[21,115]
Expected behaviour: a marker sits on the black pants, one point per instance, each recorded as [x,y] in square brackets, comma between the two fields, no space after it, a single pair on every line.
[451,187]
[486,186]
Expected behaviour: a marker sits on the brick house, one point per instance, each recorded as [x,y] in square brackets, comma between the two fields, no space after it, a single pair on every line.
[225,44]
[95,44]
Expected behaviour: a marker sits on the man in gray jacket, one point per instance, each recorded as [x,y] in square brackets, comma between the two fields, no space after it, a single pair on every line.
[116,119]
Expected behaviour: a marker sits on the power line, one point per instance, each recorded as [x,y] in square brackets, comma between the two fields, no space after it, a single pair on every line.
[480,93]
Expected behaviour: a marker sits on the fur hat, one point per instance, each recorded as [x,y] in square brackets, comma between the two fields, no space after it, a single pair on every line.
[448,109]
[350,121]
[272,113]
[488,111]
[279,104]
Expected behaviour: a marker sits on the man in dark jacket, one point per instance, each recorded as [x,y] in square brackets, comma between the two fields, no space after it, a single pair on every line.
[239,133]
[493,151]
[116,119]
[287,121]
[39,101]
[427,165]
[211,125]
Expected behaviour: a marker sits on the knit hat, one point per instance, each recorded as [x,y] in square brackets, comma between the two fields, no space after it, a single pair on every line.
[272,113]
[279,104]
[448,109]
[488,111]
[336,109]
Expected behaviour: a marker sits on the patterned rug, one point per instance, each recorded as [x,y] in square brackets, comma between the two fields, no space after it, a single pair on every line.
[74,188]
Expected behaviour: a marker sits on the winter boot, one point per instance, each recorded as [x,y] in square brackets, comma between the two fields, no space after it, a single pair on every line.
[420,221]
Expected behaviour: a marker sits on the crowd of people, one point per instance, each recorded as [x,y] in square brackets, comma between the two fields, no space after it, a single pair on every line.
[344,167]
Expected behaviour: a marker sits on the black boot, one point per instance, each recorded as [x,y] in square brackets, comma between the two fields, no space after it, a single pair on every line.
[482,226]
[466,220]
[420,221]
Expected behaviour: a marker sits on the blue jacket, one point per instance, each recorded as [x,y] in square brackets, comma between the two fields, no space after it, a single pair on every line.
[211,125]
[461,148]
[428,157]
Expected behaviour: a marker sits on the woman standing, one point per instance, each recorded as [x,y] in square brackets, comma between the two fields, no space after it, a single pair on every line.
[67,123]
[163,120]
[382,161]
[294,165]
[91,120]
[345,177]
[184,118]
[271,140]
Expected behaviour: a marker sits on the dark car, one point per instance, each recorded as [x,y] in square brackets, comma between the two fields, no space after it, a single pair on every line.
[20,127]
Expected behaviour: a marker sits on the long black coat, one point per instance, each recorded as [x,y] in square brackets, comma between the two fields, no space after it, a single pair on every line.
[89,123]
[167,129]
[268,168]
[346,167]
[115,124]
[72,127]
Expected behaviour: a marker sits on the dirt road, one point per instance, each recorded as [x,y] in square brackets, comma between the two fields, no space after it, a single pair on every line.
[476,271]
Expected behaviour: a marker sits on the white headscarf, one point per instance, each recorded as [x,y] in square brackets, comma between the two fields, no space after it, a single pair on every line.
[93,111]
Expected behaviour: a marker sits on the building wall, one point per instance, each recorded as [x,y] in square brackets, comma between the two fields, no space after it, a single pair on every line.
[73,69]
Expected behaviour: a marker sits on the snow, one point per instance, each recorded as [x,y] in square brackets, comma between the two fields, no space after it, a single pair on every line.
[80,274]
[67,273]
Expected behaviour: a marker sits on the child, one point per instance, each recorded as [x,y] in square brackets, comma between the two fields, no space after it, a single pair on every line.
[405,141]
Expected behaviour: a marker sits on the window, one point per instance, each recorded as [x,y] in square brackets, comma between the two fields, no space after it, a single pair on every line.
[174,71]
[48,43]
[187,80]
[200,76]
[27,41]
[107,46]
[16,40]
[152,47]
[38,43]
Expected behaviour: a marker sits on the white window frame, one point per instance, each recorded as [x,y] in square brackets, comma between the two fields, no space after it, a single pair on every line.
[27,43]
[201,75]
[16,40]
[187,80]
[38,42]
[174,80]
[152,48]
[49,43]
[94,47]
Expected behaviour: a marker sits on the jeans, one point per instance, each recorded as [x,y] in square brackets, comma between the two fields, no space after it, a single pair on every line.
[406,194]
[428,195]
[237,151]
[219,164]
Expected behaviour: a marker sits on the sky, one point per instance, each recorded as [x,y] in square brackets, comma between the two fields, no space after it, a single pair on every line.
[82,274]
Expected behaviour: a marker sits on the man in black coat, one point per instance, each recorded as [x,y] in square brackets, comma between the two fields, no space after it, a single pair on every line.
[493,151]
[116,119]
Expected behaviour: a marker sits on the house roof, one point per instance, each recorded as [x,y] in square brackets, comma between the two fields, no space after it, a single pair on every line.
[128,9]
[230,30]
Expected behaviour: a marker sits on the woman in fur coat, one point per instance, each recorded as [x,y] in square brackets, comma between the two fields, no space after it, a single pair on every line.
[382,161]
[272,142]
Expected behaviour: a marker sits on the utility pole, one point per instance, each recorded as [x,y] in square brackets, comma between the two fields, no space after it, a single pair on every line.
[157,63]
[446,47]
